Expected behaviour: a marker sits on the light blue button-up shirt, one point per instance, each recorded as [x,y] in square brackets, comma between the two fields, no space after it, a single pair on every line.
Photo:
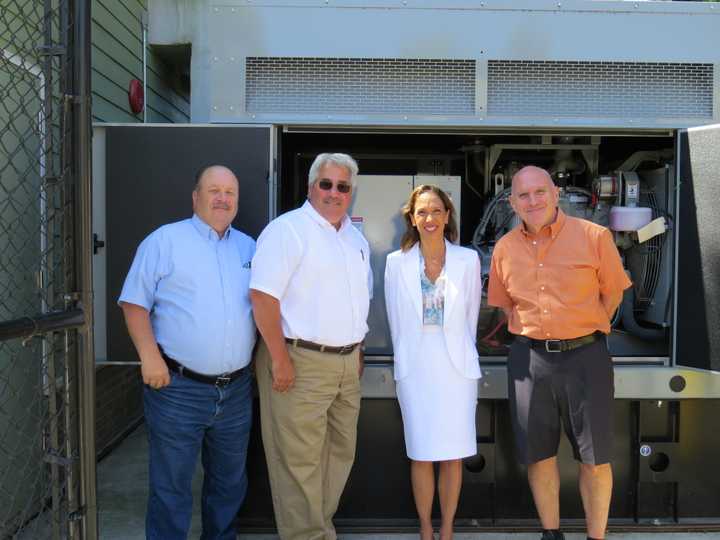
[195,286]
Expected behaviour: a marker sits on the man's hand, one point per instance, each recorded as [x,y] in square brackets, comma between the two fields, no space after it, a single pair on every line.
[155,372]
[153,368]
[283,374]
[266,310]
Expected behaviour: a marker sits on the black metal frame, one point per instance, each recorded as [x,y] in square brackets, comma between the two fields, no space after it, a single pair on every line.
[78,314]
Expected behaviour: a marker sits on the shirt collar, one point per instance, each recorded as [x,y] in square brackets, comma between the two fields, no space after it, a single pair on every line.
[555,227]
[310,210]
[206,231]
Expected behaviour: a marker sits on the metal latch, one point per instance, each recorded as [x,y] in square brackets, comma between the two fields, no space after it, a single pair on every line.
[97,244]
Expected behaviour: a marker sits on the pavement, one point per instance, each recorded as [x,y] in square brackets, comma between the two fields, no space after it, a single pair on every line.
[122,495]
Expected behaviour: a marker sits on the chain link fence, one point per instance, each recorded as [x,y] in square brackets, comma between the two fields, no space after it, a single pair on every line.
[39,354]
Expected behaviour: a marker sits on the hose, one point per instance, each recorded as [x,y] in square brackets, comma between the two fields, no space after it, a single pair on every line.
[631,325]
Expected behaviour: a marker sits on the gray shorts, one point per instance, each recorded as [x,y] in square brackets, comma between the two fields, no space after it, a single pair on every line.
[573,387]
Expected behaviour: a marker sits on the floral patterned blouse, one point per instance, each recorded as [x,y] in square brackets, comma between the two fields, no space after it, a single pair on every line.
[433,296]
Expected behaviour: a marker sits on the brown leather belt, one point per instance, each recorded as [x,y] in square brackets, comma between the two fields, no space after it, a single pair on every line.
[344,349]
[561,345]
[218,380]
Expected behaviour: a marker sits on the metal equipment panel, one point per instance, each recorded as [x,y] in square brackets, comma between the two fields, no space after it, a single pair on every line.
[99,259]
[376,212]
[308,63]
[150,172]
[698,287]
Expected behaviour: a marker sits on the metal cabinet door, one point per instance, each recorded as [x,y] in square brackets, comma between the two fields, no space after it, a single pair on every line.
[377,203]
[698,226]
[149,177]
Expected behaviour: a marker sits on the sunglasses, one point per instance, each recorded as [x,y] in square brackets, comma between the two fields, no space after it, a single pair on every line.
[326,185]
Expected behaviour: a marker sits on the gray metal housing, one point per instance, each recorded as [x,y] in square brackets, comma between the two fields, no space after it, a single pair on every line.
[448,63]
[614,67]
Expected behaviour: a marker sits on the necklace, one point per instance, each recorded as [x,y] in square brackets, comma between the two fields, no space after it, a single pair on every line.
[434,259]
[433,264]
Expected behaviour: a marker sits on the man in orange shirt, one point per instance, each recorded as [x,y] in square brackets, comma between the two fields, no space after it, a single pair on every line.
[559,280]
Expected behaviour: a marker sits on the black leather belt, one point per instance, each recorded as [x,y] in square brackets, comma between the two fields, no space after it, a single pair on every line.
[218,380]
[345,349]
[561,345]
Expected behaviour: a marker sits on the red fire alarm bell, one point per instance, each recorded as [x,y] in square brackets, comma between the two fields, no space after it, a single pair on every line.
[136,96]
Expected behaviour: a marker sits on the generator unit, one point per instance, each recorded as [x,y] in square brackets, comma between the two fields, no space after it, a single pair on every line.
[619,101]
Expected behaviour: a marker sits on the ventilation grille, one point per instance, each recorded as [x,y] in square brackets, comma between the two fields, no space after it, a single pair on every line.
[600,89]
[360,86]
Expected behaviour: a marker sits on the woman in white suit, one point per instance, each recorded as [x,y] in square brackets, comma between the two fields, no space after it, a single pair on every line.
[432,293]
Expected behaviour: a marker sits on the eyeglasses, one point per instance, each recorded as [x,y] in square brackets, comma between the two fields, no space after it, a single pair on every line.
[326,185]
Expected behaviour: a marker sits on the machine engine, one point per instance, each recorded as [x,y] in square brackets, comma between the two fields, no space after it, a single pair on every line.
[634,201]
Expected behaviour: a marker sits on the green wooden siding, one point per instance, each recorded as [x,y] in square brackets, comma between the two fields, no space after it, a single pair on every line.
[117,59]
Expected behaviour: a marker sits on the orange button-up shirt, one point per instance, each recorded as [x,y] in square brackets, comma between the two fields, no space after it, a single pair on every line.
[563,282]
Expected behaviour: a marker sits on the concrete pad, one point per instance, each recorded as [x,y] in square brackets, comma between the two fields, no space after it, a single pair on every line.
[122,496]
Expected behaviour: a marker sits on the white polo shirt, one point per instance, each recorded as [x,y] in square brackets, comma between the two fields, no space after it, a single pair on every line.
[320,275]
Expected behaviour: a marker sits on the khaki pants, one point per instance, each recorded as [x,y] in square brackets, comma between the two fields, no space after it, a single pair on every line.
[309,435]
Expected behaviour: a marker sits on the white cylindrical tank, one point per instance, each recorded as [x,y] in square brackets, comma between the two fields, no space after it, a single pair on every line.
[626,218]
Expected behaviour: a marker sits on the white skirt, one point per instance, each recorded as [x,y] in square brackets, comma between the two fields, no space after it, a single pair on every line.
[437,404]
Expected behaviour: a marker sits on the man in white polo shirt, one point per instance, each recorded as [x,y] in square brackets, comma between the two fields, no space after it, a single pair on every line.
[310,288]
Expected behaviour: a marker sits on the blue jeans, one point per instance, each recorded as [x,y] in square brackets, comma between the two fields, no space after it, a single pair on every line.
[183,420]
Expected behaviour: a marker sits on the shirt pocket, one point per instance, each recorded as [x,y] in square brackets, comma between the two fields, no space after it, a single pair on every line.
[361,266]
[578,281]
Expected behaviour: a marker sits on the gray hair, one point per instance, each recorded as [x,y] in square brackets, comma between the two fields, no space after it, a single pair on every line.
[341,160]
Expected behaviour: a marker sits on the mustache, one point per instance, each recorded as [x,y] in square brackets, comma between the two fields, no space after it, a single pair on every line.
[221,206]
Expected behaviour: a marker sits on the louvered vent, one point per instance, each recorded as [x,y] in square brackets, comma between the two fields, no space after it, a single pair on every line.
[360,86]
[600,89]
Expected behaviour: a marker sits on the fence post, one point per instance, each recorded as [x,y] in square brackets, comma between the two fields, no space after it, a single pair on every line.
[83,213]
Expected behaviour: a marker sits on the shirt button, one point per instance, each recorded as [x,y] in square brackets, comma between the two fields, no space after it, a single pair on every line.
[548,334]
[545,311]
[542,288]
[534,242]
[540,265]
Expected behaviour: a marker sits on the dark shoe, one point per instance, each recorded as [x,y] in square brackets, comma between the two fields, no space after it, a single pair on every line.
[552,535]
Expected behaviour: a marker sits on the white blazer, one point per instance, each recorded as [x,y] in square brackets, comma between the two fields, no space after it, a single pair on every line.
[403,300]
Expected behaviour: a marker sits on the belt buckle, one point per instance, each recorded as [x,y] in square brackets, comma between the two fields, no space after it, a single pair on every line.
[558,342]
[346,349]
[223,380]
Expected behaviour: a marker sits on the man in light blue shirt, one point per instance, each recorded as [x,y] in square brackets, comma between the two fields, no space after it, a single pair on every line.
[188,312]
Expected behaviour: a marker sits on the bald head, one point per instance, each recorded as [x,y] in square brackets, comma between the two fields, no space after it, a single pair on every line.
[211,170]
[531,171]
[215,197]
[534,197]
